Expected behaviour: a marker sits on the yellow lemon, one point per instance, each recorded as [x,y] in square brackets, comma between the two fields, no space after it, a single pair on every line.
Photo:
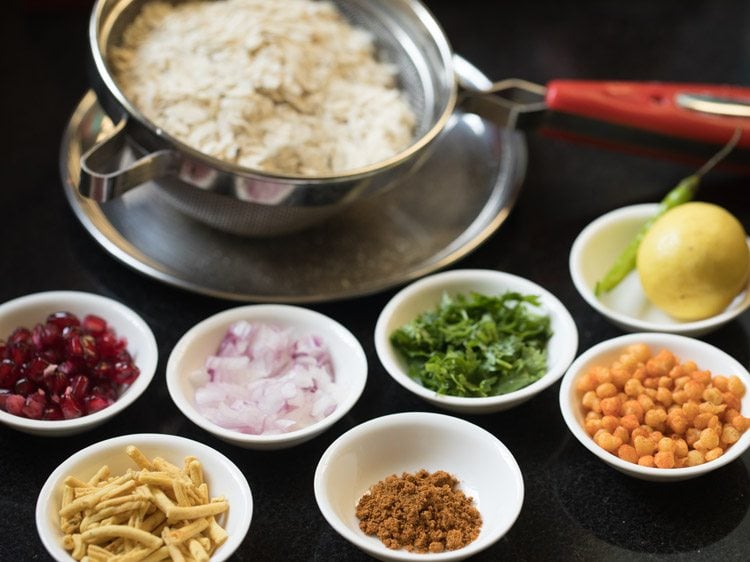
[693,261]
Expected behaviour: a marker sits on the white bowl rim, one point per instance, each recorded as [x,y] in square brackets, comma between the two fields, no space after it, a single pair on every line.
[652,339]
[149,357]
[230,315]
[394,421]
[201,449]
[554,372]
[641,210]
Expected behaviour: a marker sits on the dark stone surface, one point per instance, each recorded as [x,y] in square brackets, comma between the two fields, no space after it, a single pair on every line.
[575,508]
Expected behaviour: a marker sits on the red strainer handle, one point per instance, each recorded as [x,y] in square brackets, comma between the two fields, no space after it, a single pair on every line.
[700,112]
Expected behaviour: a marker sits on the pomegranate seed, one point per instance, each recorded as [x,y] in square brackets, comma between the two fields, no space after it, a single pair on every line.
[63,320]
[37,336]
[45,336]
[102,370]
[20,335]
[14,404]
[24,387]
[125,372]
[51,355]
[70,367]
[73,346]
[70,407]
[19,352]
[94,324]
[90,353]
[105,388]
[70,331]
[56,382]
[9,373]
[34,406]
[79,386]
[123,356]
[108,346]
[95,403]
[35,369]
[52,412]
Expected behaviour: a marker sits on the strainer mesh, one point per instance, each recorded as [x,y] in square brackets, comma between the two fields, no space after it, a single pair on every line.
[402,37]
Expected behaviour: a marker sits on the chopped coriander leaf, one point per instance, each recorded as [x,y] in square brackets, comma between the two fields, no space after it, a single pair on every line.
[476,345]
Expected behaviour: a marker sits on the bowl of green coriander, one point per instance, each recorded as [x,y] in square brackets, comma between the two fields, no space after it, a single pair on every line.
[475,341]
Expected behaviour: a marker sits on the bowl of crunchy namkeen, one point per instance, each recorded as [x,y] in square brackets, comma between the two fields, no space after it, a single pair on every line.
[145,496]
[419,486]
[659,407]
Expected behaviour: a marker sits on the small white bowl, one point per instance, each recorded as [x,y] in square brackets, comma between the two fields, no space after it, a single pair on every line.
[425,294]
[706,356]
[221,475]
[626,306]
[190,353]
[408,442]
[29,310]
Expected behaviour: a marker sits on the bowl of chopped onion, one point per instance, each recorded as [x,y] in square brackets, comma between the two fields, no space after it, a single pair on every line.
[70,361]
[658,406]
[108,501]
[464,482]
[475,341]
[266,376]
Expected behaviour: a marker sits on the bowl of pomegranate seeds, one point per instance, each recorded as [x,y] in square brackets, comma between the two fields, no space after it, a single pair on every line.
[266,376]
[70,360]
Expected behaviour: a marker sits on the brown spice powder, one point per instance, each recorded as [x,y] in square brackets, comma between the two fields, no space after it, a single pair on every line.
[422,512]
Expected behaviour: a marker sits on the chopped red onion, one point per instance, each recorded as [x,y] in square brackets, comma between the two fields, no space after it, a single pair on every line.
[263,380]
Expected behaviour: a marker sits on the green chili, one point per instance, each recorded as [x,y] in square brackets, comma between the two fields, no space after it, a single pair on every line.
[625,263]
[682,193]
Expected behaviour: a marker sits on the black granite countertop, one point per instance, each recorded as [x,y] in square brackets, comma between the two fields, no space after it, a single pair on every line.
[575,508]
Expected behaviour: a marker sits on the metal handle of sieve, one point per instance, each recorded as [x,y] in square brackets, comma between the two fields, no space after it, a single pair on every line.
[512,103]
[104,177]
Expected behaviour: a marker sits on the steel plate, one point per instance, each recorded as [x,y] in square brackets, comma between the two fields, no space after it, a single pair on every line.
[458,198]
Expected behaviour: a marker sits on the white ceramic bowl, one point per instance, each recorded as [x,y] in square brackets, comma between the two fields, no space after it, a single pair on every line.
[425,294]
[221,475]
[191,351]
[626,306]
[705,356]
[408,442]
[29,310]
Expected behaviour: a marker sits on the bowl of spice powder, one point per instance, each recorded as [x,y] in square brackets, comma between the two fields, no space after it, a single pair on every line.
[419,486]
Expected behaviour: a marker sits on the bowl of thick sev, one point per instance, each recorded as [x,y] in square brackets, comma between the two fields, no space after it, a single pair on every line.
[145,496]
[419,486]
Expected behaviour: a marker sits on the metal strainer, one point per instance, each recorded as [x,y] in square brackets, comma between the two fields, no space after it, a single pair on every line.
[249,201]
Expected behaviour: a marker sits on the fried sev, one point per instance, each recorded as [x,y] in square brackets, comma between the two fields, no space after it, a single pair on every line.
[158,512]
